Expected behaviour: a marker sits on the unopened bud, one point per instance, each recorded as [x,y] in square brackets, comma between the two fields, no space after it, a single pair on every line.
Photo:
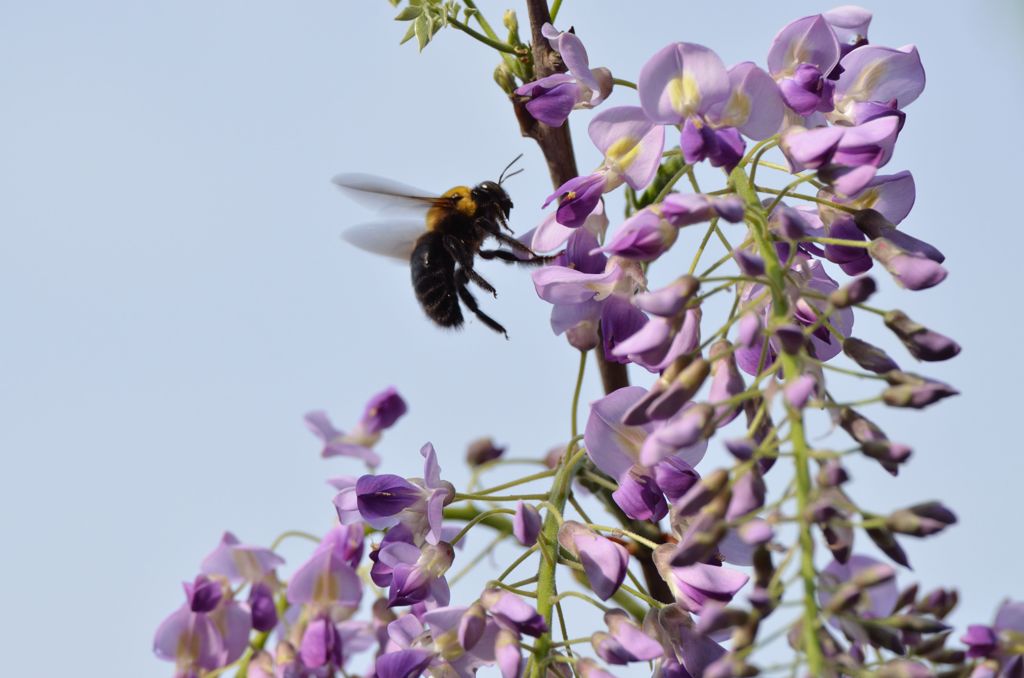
[511,21]
[482,451]
[909,269]
[885,541]
[703,492]
[504,78]
[922,343]
[867,356]
[921,520]
[855,292]
[790,337]
[917,396]
[682,389]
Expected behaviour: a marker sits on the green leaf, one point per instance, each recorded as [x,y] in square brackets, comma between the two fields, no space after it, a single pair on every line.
[409,13]
[395,3]
[422,28]
[408,34]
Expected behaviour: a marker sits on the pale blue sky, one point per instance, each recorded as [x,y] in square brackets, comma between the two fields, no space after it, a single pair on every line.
[175,294]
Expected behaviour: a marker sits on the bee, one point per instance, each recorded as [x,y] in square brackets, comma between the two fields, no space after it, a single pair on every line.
[442,248]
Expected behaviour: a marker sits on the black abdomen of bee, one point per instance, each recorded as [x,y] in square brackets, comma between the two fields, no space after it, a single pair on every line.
[433,279]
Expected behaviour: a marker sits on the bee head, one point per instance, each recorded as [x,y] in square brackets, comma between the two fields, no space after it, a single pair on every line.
[490,194]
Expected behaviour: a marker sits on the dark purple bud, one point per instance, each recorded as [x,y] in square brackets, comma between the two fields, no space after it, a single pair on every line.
[869,357]
[915,624]
[885,541]
[741,448]
[750,264]
[726,381]
[922,343]
[838,538]
[886,638]
[832,474]
[384,495]
[981,641]
[714,618]
[909,269]
[855,292]
[921,520]
[675,477]
[790,338]
[203,594]
[637,415]
[917,396]
[682,389]
[264,611]
[890,455]
[875,226]
[639,496]
[526,524]
[383,410]
[403,663]
[753,411]
[700,540]
[937,603]
[789,222]
[482,451]
[748,494]
[703,492]
[906,597]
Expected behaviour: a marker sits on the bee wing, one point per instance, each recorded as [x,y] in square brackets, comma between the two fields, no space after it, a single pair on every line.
[383,194]
[394,239]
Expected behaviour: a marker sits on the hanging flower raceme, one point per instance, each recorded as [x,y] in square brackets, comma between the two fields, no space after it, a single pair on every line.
[382,411]
[552,98]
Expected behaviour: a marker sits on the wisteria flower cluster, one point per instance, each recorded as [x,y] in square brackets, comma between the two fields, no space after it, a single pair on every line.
[701,542]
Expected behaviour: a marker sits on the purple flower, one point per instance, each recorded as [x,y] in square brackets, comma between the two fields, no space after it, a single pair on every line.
[321,644]
[386,500]
[682,80]
[604,561]
[551,234]
[263,608]
[891,195]
[726,382]
[209,631]
[639,496]
[850,24]
[552,98]
[872,73]
[644,236]
[328,580]
[417,573]
[694,586]
[802,59]
[382,411]
[625,641]
[403,663]
[632,147]
[511,612]
[615,447]
[799,390]
[240,562]
[508,654]
[910,270]
[879,599]
[683,209]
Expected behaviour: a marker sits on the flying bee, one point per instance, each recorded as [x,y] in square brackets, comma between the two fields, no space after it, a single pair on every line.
[441,249]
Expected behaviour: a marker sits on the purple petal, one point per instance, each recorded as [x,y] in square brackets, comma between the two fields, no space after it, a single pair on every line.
[631,144]
[680,80]
[403,663]
[875,73]
[809,40]
[754,105]
[612,446]
[526,524]
[383,496]
[604,562]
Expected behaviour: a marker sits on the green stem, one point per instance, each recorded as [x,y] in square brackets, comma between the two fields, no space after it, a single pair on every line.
[518,561]
[576,393]
[478,15]
[519,481]
[293,533]
[546,571]
[667,188]
[490,42]
[461,496]
[840,241]
[624,83]
[466,513]
[811,198]
[476,520]
[791,370]
[555,6]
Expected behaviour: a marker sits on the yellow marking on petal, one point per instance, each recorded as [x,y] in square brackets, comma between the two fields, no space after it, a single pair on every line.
[684,94]
[736,111]
[867,81]
[571,195]
[622,153]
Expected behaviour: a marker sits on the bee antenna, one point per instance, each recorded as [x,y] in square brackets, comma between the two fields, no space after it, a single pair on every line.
[507,167]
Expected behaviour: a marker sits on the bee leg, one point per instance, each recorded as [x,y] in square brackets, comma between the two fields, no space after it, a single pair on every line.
[470,301]
[465,259]
[511,257]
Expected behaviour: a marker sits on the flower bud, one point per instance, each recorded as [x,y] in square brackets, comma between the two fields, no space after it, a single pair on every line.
[472,626]
[750,264]
[749,329]
[702,535]
[884,540]
[504,78]
[938,603]
[703,492]
[482,451]
[868,357]
[832,474]
[909,269]
[715,618]
[748,494]
[670,300]
[855,292]
[684,387]
[798,391]
[921,520]
[526,524]
[510,21]
[726,381]
[639,496]
[922,343]
[917,396]
[790,338]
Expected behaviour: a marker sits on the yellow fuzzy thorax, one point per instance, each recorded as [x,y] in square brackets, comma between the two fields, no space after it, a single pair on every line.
[458,199]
